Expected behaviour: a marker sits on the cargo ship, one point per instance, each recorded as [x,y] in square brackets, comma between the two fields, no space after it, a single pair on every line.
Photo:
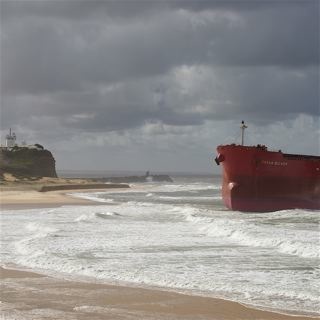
[255,179]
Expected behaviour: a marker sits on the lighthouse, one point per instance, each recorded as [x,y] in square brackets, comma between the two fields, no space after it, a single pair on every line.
[11,139]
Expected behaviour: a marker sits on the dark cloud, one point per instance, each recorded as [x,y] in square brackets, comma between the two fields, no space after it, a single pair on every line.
[112,66]
[63,54]
[126,9]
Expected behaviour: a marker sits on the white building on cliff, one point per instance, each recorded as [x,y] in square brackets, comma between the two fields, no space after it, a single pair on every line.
[11,139]
[12,145]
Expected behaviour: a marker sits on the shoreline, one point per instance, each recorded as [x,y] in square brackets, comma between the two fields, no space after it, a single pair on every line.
[27,292]
[31,199]
[55,196]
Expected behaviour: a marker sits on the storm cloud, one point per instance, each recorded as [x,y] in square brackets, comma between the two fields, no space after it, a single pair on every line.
[113,72]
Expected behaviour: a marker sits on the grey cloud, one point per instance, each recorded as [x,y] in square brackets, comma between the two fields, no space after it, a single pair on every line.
[40,54]
[271,94]
[103,66]
[261,94]
[84,9]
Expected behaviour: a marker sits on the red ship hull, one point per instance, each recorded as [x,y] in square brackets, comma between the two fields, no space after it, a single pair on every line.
[258,180]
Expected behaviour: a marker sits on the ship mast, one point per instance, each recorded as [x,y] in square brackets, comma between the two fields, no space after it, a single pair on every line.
[243,127]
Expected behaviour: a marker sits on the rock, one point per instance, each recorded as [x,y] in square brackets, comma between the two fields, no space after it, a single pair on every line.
[133,179]
[82,186]
[24,162]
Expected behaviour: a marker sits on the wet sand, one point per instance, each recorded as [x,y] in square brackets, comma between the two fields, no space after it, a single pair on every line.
[27,295]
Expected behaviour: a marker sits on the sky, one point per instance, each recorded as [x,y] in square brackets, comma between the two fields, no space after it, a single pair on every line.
[157,85]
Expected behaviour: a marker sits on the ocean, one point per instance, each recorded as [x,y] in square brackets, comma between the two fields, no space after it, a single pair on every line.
[176,236]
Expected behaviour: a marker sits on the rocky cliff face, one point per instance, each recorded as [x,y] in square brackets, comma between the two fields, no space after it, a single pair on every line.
[27,162]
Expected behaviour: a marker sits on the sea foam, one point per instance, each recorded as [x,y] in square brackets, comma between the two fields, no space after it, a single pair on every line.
[244,232]
[172,235]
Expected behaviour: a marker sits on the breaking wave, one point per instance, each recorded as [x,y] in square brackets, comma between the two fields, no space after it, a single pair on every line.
[96,196]
[293,242]
[95,215]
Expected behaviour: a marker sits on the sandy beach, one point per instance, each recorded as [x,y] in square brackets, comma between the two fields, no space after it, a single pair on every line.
[28,295]
[21,195]
[22,199]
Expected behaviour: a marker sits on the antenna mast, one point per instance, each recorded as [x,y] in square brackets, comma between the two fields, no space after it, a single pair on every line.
[243,127]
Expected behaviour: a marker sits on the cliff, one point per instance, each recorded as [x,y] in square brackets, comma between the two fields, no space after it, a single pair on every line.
[27,162]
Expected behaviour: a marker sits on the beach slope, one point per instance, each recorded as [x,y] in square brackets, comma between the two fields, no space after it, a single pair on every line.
[27,295]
